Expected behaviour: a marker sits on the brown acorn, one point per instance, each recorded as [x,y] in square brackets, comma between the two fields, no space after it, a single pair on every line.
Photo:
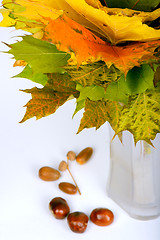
[71,156]
[68,188]
[62,166]
[49,174]
[59,207]
[84,155]
[77,221]
[102,216]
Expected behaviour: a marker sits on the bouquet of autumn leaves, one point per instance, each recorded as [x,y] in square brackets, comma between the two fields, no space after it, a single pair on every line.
[106,54]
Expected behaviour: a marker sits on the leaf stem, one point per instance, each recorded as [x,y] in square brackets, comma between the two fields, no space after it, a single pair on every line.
[72,177]
[135,4]
[105,3]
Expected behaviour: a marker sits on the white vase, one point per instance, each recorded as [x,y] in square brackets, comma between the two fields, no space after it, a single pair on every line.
[134,179]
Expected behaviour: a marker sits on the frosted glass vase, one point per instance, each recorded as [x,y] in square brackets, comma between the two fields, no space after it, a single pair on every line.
[134,179]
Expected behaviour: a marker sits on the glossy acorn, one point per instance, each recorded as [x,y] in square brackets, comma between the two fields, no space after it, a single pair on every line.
[84,155]
[77,222]
[59,207]
[102,216]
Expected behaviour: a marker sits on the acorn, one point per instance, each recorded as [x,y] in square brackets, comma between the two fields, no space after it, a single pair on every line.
[62,166]
[84,155]
[49,174]
[77,221]
[59,207]
[102,216]
[68,188]
[71,156]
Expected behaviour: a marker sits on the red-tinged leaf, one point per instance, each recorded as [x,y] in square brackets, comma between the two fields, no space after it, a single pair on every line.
[46,100]
[98,112]
[72,37]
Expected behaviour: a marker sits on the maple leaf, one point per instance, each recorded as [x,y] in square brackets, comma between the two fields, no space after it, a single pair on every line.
[138,80]
[70,36]
[142,116]
[42,56]
[79,105]
[35,77]
[99,50]
[118,91]
[31,9]
[7,21]
[92,81]
[98,112]
[30,15]
[46,100]
[93,74]
[145,5]
[85,35]
[68,11]
[119,25]
[92,92]
[63,82]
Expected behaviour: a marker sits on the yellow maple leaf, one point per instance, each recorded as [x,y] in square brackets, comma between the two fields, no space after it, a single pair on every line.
[119,25]
[7,21]
[115,24]
[70,12]
[36,9]
[32,10]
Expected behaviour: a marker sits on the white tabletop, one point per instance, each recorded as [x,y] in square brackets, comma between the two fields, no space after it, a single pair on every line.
[24,148]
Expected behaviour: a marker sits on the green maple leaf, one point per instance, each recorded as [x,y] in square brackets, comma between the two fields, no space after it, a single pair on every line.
[142,116]
[46,100]
[143,5]
[43,57]
[79,105]
[35,77]
[93,74]
[118,91]
[138,80]
[92,81]
[98,112]
[92,92]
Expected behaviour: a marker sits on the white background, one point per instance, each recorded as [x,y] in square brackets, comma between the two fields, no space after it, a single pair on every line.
[24,148]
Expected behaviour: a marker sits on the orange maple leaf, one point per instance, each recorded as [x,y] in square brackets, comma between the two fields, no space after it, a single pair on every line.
[87,47]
